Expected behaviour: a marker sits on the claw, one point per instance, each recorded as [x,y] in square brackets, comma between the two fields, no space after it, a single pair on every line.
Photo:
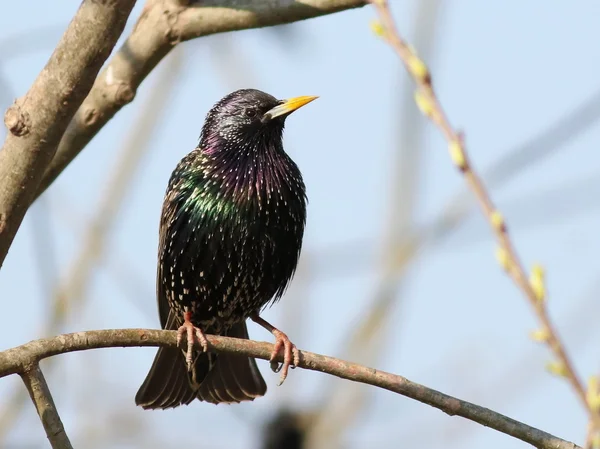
[291,356]
[191,331]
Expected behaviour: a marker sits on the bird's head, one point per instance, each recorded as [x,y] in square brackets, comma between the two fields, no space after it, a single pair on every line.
[247,117]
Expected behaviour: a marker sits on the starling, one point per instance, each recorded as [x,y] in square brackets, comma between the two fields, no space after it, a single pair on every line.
[231,232]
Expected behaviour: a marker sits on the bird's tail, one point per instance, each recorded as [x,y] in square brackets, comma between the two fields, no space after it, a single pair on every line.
[227,378]
[234,378]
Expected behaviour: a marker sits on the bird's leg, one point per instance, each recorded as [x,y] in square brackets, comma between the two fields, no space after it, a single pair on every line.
[188,328]
[291,356]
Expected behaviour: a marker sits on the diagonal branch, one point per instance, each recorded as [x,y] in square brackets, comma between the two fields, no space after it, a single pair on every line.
[17,360]
[162,25]
[36,122]
[44,404]
[534,289]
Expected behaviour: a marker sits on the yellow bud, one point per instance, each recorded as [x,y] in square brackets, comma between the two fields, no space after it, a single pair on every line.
[538,270]
[503,258]
[457,154]
[424,103]
[377,28]
[536,280]
[540,335]
[557,368]
[418,69]
[596,441]
[593,384]
[497,220]
[593,394]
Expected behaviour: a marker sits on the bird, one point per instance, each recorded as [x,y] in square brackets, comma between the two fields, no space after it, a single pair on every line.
[230,238]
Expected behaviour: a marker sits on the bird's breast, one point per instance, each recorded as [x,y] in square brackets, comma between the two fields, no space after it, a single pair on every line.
[233,243]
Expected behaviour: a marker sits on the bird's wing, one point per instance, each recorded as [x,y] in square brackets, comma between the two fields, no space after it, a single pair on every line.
[163,303]
[179,232]
[168,228]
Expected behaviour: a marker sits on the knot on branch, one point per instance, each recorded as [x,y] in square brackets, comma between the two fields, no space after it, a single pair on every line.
[17,121]
[90,116]
[124,92]
[124,95]
[171,15]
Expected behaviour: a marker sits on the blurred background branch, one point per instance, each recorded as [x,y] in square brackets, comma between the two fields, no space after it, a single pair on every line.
[366,341]
[70,295]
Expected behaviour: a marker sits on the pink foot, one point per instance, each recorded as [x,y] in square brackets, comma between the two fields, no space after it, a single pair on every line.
[188,328]
[291,355]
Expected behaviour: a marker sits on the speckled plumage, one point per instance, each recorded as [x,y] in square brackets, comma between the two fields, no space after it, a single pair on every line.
[230,237]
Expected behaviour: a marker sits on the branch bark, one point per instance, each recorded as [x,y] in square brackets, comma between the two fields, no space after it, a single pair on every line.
[162,25]
[44,404]
[37,121]
[17,360]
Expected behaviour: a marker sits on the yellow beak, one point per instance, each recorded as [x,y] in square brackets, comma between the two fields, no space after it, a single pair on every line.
[288,106]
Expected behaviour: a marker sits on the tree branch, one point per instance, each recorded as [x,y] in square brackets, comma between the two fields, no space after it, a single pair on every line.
[19,359]
[44,404]
[36,122]
[162,25]
[533,287]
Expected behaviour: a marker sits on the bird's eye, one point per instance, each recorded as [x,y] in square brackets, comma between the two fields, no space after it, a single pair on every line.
[250,112]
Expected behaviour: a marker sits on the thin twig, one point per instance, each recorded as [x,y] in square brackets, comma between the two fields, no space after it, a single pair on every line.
[37,121]
[17,360]
[431,107]
[135,147]
[40,395]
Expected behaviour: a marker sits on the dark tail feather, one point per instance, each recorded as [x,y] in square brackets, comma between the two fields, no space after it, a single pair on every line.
[166,384]
[232,378]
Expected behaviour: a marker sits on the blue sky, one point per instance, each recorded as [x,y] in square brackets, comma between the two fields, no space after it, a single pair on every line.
[504,72]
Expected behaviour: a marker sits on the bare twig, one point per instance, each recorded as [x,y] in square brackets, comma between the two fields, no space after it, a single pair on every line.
[136,146]
[367,340]
[17,360]
[162,25]
[431,107]
[40,395]
[36,122]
